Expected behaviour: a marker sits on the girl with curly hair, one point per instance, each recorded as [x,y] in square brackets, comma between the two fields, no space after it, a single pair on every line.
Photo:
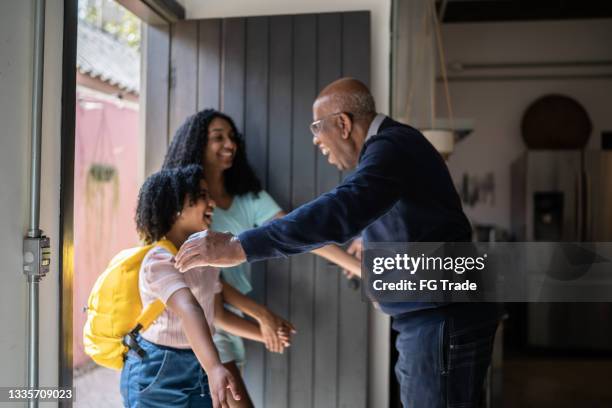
[211,139]
[181,366]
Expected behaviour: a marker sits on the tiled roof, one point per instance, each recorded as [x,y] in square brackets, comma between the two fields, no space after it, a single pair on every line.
[100,55]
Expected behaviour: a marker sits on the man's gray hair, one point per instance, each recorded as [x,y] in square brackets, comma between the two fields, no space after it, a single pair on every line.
[359,102]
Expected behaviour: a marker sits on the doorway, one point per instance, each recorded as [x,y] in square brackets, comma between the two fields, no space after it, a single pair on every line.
[264,72]
[107,157]
[102,165]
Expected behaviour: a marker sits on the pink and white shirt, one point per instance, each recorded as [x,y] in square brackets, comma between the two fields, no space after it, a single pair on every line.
[159,279]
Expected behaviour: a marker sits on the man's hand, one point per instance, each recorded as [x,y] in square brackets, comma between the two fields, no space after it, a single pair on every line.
[210,248]
[219,380]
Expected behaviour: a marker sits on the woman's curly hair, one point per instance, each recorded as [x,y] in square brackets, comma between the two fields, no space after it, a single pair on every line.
[162,196]
[188,147]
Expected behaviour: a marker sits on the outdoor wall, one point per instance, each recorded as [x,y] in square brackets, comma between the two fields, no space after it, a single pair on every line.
[496,106]
[16,31]
[379,67]
[106,132]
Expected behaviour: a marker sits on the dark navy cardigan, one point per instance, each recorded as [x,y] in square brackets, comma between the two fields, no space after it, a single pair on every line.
[401,191]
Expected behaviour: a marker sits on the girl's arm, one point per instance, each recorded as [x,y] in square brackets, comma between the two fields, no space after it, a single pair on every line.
[183,303]
[274,329]
[236,325]
[335,254]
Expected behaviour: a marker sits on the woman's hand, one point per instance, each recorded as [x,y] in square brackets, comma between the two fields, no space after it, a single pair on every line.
[219,380]
[275,330]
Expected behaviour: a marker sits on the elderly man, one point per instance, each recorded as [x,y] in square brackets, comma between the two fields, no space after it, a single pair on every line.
[400,191]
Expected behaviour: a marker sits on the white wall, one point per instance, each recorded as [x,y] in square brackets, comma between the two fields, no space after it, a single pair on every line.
[16,32]
[379,82]
[497,106]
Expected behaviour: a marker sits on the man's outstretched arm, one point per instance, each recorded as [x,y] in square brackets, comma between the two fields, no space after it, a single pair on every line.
[334,217]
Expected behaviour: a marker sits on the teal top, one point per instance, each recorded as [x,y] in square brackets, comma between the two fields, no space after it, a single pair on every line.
[247,211]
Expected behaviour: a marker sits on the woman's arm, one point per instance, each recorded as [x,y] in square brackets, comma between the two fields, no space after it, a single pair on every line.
[335,254]
[341,258]
[239,326]
[183,303]
[275,330]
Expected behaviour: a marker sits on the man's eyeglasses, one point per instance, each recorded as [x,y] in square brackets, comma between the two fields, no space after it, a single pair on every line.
[317,125]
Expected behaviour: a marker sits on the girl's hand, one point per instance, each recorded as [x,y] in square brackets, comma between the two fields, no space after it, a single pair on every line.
[219,380]
[275,331]
[285,333]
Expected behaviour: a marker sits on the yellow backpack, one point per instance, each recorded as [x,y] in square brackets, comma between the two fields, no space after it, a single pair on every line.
[114,308]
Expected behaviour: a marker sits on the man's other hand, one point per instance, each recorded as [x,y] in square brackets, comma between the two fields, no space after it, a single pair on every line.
[210,248]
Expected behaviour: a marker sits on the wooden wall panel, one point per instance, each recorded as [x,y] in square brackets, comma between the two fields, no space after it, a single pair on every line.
[256,139]
[256,98]
[278,293]
[327,275]
[156,93]
[183,73]
[209,64]
[233,69]
[353,326]
[301,370]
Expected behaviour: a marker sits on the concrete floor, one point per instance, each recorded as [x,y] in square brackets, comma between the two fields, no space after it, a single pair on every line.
[527,383]
[96,388]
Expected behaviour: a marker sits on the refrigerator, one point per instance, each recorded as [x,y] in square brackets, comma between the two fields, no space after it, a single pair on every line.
[564,195]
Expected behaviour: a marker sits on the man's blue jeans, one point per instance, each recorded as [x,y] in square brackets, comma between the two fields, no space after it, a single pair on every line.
[444,354]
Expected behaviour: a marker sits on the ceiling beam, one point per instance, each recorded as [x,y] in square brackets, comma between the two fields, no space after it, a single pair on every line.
[155,12]
[458,11]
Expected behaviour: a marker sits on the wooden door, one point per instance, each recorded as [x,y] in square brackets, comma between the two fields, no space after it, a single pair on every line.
[265,73]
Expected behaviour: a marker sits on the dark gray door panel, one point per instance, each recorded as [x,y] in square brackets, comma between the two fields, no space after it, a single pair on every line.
[265,72]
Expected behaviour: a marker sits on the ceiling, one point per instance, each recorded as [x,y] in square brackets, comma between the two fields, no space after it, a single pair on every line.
[456,11]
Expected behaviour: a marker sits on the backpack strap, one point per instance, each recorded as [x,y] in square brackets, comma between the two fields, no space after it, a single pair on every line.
[149,313]
[167,245]
[147,316]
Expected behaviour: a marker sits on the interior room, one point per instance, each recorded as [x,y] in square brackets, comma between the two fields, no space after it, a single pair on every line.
[504,62]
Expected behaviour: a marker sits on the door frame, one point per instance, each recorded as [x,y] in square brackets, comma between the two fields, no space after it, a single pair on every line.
[154,12]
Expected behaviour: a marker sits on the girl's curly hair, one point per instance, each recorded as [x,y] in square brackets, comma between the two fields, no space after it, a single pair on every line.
[190,141]
[162,196]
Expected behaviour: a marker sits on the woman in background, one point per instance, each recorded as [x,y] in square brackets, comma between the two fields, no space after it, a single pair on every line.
[210,138]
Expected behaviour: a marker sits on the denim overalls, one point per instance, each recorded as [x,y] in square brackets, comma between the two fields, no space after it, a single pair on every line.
[164,377]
